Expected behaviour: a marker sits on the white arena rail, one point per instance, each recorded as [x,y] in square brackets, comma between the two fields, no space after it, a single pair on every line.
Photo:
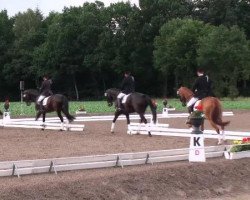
[134,128]
[23,167]
[110,117]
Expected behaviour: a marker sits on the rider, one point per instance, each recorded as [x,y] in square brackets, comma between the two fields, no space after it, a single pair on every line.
[201,88]
[127,87]
[45,91]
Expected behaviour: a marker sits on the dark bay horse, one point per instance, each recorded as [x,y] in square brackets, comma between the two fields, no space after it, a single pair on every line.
[211,107]
[57,102]
[136,102]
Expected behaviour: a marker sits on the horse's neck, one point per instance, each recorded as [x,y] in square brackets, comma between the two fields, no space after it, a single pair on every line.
[34,97]
[188,97]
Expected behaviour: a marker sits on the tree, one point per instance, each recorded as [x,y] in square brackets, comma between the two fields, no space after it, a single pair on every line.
[224,12]
[6,42]
[29,34]
[225,53]
[176,50]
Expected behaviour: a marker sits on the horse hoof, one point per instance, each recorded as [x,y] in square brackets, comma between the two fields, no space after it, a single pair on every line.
[149,134]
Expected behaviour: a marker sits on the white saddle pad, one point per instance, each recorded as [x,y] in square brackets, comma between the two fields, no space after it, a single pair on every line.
[45,100]
[197,103]
[124,99]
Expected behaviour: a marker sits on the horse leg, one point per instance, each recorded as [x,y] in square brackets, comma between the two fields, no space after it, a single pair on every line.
[117,113]
[139,127]
[223,134]
[202,126]
[143,119]
[217,130]
[128,124]
[59,114]
[38,114]
[43,125]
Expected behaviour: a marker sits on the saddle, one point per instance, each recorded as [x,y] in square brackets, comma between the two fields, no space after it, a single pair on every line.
[197,106]
[45,100]
[124,98]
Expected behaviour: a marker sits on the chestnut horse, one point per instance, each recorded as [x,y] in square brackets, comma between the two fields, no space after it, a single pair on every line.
[212,109]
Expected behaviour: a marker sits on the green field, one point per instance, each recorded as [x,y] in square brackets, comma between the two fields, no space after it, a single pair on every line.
[101,107]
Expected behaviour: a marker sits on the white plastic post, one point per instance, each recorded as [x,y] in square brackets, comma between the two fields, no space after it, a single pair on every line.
[165,111]
[6,117]
[196,149]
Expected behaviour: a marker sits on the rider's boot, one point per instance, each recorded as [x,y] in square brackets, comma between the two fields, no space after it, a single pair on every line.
[41,108]
[119,104]
[190,110]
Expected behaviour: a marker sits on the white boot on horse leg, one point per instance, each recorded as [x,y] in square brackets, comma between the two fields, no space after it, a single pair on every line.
[139,128]
[62,126]
[221,138]
[112,127]
[129,131]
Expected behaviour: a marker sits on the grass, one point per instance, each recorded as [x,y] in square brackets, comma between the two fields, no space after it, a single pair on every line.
[101,107]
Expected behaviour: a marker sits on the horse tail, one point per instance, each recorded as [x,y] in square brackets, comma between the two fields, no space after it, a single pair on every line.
[65,109]
[153,106]
[218,120]
[222,124]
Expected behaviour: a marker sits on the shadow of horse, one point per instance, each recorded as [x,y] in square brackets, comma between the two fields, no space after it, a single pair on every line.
[136,102]
[57,102]
[212,110]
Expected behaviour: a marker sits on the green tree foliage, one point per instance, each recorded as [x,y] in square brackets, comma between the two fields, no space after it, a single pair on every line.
[224,12]
[29,34]
[225,53]
[6,42]
[176,49]
[87,48]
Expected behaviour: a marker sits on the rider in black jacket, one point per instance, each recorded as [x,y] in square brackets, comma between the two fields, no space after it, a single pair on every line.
[201,88]
[127,87]
[45,91]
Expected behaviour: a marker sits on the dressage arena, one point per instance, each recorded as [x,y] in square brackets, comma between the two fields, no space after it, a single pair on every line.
[216,179]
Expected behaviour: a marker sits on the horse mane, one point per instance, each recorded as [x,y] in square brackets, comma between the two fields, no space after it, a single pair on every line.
[114,90]
[187,93]
[32,92]
[187,90]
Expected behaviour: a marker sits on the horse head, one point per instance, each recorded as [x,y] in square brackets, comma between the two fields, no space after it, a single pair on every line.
[111,95]
[184,95]
[30,96]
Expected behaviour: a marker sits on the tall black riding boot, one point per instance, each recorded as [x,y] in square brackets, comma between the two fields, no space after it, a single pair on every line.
[119,104]
[41,108]
[190,109]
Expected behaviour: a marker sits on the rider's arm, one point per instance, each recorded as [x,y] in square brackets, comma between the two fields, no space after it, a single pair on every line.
[42,86]
[196,82]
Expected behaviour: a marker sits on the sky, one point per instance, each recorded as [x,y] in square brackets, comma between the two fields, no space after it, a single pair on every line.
[46,6]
